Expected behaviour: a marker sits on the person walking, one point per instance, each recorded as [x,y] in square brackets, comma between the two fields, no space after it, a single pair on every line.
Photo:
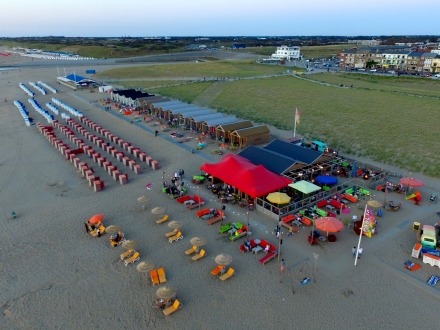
[360,252]
[283,265]
[290,231]
[353,250]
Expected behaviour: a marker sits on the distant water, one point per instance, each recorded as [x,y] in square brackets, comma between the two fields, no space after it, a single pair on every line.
[7,69]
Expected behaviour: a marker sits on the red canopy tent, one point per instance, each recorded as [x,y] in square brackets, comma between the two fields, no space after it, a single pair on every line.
[251,179]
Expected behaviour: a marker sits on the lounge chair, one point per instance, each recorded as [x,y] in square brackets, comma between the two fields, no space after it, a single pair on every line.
[191,251]
[172,233]
[198,256]
[161,274]
[127,254]
[154,277]
[101,229]
[174,307]
[175,237]
[217,270]
[228,274]
[133,258]
[163,219]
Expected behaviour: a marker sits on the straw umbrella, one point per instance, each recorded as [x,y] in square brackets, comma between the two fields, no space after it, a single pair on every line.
[158,210]
[198,241]
[143,200]
[166,292]
[130,244]
[223,259]
[112,229]
[175,224]
[374,203]
[145,266]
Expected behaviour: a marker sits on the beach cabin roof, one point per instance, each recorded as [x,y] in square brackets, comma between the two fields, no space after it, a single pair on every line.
[271,160]
[303,155]
[214,122]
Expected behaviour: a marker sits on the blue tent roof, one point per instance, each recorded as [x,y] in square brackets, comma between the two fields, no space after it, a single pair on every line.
[75,78]
[301,154]
[271,160]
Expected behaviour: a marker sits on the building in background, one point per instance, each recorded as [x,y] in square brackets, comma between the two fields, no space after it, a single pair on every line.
[287,53]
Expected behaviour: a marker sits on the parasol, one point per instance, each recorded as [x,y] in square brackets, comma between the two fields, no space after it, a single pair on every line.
[175,224]
[326,179]
[166,292]
[278,198]
[411,182]
[158,210]
[329,224]
[198,241]
[223,259]
[97,218]
[112,229]
[130,244]
[145,266]
[143,200]
[374,203]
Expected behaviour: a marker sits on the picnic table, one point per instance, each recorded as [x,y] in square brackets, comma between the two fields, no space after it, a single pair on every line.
[257,249]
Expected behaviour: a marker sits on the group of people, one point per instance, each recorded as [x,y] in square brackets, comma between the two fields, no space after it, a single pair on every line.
[359,251]
[175,188]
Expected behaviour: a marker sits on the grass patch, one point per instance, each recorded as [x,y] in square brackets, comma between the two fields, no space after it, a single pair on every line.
[233,69]
[144,84]
[185,93]
[322,51]
[391,128]
[407,85]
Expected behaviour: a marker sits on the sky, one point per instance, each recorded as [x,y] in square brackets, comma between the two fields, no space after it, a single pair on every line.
[142,18]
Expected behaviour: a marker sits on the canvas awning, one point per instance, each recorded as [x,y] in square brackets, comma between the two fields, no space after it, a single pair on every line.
[305,187]
[251,179]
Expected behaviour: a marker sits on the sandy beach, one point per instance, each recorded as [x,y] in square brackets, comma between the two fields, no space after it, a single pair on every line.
[53,275]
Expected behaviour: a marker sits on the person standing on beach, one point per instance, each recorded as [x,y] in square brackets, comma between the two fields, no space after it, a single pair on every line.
[283,265]
[360,252]
[353,250]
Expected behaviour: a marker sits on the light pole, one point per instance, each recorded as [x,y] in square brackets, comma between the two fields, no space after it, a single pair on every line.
[279,242]
[163,177]
[247,232]
[200,204]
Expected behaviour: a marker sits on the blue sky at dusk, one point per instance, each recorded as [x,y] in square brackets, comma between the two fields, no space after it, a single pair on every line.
[139,18]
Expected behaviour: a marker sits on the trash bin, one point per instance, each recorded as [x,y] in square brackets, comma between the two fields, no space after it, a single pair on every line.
[251,207]
[379,213]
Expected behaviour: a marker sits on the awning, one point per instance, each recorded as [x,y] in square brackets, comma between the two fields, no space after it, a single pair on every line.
[305,187]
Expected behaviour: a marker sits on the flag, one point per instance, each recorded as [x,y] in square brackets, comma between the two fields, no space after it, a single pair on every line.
[297,116]
[368,222]
[148,186]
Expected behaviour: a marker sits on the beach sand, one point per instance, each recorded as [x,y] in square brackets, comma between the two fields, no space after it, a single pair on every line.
[53,275]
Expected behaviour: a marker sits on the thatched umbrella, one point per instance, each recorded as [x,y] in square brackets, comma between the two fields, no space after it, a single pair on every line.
[130,244]
[145,266]
[112,229]
[175,224]
[158,210]
[374,203]
[223,259]
[198,241]
[166,292]
[143,200]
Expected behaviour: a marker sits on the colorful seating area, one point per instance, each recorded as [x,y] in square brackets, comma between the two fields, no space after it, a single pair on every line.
[196,202]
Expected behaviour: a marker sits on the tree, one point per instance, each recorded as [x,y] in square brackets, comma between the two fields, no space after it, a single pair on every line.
[371,64]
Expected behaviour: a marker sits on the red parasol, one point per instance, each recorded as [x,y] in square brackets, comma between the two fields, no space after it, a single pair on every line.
[97,218]
[411,182]
[329,224]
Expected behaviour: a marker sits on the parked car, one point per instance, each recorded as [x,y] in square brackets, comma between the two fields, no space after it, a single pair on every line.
[373,70]
[361,69]
[426,74]
[437,75]
[392,72]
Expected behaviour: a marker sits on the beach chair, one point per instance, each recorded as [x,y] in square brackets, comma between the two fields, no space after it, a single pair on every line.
[95,232]
[135,257]
[163,219]
[161,274]
[199,256]
[217,270]
[191,251]
[154,277]
[175,237]
[228,274]
[174,307]
[127,254]
[172,233]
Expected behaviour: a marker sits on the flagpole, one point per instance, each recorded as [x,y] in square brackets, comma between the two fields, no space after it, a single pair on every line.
[360,236]
[294,128]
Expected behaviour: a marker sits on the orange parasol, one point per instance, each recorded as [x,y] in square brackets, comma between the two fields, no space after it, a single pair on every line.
[411,182]
[329,224]
[97,218]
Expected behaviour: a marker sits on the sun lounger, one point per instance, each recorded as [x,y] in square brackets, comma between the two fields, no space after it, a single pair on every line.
[199,256]
[175,237]
[94,232]
[174,307]
[433,280]
[154,277]
[216,219]
[127,254]
[161,274]
[172,233]
[191,251]
[113,243]
[238,234]
[133,258]
[225,228]
[183,199]
[163,219]
[228,274]
[203,212]
[217,270]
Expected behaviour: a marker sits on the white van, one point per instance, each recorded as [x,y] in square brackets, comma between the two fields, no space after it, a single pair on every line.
[437,75]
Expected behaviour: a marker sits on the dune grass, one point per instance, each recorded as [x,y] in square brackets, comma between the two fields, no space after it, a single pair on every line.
[146,84]
[322,51]
[407,85]
[392,128]
[232,69]
[186,92]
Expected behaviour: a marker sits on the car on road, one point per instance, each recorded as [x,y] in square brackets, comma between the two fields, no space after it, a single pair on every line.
[373,70]
[361,69]
[426,74]
[437,75]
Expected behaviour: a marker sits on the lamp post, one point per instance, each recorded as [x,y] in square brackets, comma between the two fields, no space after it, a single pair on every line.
[247,232]
[279,242]
[200,204]
[163,176]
